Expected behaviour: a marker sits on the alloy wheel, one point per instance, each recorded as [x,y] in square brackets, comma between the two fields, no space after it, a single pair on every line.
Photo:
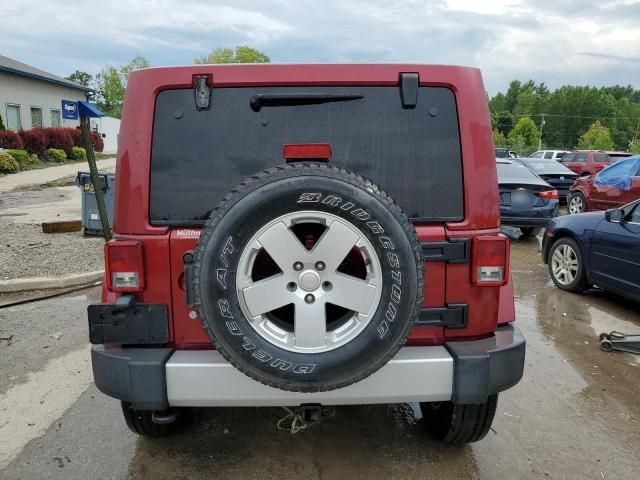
[564,264]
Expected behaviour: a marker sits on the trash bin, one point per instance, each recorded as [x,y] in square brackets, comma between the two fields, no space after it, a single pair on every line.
[90,215]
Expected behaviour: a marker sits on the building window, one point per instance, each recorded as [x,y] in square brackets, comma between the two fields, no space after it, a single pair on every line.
[55,118]
[36,117]
[13,117]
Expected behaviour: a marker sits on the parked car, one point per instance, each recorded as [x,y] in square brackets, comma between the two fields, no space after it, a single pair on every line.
[598,248]
[589,162]
[552,172]
[504,153]
[549,154]
[304,284]
[612,187]
[526,201]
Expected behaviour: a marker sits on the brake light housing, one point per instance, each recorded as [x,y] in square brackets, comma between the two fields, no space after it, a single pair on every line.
[124,266]
[490,261]
[549,194]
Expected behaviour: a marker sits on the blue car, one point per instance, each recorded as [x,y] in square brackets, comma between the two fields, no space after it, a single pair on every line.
[596,248]
[526,201]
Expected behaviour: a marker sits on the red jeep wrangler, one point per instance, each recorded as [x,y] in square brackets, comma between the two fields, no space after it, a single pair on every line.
[307,235]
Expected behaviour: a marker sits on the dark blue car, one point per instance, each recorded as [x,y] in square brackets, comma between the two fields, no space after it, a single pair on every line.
[526,201]
[597,248]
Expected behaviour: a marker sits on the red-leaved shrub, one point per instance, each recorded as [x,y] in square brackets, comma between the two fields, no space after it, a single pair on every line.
[60,138]
[76,134]
[11,140]
[35,141]
[96,141]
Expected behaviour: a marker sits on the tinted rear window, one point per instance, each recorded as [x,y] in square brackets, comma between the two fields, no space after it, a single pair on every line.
[514,170]
[542,166]
[601,157]
[413,154]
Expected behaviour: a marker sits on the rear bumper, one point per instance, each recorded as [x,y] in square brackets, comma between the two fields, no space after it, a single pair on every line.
[158,378]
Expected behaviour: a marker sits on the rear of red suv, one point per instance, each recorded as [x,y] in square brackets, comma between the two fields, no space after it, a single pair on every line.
[306,235]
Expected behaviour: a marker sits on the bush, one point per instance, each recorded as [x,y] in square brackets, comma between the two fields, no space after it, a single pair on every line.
[54,155]
[78,153]
[76,134]
[35,141]
[8,163]
[59,138]
[96,141]
[10,139]
[25,160]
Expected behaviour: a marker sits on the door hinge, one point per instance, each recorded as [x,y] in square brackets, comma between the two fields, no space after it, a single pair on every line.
[202,93]
[455,250]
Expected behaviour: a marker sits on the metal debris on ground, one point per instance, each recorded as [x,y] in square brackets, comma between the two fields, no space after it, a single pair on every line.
[624,342]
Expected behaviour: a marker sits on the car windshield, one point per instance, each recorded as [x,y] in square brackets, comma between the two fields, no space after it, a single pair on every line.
[514,170]
[541,166]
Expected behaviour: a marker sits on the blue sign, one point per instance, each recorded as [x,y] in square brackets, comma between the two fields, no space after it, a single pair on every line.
[69,110]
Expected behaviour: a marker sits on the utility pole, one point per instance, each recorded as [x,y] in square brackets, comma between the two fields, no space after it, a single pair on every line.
[541,127]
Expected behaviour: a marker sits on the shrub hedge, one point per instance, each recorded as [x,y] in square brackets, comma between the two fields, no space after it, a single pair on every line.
[25,160]
[78,153]
[35,141]
[10,139]
[8,164]
[54,155]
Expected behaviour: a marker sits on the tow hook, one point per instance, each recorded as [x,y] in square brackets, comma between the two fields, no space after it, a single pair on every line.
[620,341]
[301,418]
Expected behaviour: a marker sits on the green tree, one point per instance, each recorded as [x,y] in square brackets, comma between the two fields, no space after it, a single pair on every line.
[597,137]
[525,133]
[110,85]
[635,146]
[499,140]
[83,78]
[242,54]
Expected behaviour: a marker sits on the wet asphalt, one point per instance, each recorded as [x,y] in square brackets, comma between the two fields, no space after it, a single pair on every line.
[574,415]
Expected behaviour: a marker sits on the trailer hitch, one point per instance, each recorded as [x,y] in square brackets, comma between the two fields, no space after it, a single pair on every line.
[620,341]
[300,419]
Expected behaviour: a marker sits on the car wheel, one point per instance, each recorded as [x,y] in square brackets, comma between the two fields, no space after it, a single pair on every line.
[308,277]
[459,424]
[528,231]
[566,266]
[577,203]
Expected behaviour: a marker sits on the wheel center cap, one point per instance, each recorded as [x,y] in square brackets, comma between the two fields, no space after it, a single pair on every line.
[309,280]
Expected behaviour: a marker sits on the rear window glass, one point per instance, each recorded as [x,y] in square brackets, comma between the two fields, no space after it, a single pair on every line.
[542,166]
[514,170]
[413,154]
[601,157]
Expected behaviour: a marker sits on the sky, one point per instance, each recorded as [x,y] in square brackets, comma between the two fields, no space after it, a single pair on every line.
[585,42]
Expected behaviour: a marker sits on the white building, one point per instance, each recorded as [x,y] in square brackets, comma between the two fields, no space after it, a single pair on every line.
[108,128]
[31,98]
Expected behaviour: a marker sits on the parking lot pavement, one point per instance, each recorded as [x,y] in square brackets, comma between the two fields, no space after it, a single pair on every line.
[574,415]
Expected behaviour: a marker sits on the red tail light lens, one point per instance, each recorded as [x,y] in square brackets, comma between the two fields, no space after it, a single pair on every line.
[490,256]
[123,260]
[297,151]
[549,194]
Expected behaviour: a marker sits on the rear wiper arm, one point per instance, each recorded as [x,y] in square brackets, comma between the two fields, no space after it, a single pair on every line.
[260,100]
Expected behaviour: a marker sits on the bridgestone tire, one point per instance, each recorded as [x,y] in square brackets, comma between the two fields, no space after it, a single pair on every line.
[329,190]
[459,424]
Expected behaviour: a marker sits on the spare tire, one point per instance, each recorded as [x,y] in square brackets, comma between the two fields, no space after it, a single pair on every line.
[308,277]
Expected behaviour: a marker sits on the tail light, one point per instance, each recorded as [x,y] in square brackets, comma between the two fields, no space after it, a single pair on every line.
[490,261]
[302,151]
[123,260]
[549,194]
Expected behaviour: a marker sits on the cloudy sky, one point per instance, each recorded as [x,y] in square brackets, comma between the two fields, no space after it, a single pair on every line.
[552,41]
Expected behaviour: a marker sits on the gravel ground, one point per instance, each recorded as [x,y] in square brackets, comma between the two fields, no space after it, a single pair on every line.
[27,252]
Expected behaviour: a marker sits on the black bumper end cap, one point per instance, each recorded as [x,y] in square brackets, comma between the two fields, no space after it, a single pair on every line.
[488,366]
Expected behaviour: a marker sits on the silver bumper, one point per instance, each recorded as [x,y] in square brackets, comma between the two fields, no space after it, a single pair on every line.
[206,379]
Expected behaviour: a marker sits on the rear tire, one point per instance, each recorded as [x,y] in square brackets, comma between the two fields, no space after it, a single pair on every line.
[459,424]
[566,267]
[141,422]
[576,203]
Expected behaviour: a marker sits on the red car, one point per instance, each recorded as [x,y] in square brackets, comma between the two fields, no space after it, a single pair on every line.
[590,162]
[273,229]
[612,187]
